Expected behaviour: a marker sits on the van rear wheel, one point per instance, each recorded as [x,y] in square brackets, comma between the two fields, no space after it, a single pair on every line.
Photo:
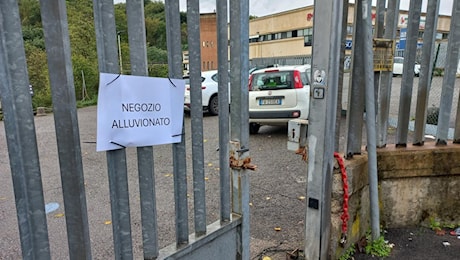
[254,128]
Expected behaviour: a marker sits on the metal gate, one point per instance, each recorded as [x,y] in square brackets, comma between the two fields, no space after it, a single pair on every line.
[227,238]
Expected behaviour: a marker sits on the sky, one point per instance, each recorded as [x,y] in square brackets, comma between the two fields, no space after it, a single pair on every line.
[265,7]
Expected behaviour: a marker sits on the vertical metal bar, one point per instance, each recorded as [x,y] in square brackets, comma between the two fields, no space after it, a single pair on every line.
[341,73]
[20,136]
[424,82]
[378,33]
[145,163]
[54,20]
[106,40]
[180,172]
[355,107]
[370,118]
[405,97]
[386,77]
[196,114]
[224,115]
[239,127]
[448,81]
[321,130]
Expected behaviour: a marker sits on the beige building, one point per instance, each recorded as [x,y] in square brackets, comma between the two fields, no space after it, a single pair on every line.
[290,33]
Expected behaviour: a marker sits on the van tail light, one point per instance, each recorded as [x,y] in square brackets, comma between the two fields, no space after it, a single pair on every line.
[250,82]
[297,79]
[202,87]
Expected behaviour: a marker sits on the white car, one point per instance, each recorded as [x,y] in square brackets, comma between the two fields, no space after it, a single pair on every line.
[209,90]
[277,95]
[398,67]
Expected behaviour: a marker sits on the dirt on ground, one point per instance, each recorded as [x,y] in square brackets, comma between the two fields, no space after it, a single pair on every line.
[419,243]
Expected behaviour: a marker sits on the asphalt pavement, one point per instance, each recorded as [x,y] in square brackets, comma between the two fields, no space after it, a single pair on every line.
[277,189]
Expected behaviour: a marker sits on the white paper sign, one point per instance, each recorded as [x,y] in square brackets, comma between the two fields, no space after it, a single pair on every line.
[137,111]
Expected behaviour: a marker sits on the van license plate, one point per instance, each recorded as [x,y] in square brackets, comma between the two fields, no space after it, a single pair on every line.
[269,101]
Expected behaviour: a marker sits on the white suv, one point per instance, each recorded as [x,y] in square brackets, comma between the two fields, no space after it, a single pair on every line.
[209,90]
[277,95]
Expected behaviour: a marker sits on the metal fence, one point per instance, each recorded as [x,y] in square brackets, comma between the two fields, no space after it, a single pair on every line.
[228,237]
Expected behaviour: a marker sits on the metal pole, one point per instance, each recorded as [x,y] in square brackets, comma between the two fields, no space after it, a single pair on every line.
[106,41]
[119,52]
[239,127]
[370,118]
[21,138]
[196,114]
[386,77]
[224,115]
[341,74]
[145,163]
[448,81]
[54,20]
[173,36]
[424,82]
[405,97]
[321,131]
[355,107]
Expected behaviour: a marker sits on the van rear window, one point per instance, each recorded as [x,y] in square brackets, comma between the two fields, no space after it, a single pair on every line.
[272,80]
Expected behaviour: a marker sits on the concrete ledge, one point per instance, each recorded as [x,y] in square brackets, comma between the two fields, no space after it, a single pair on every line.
[417,161]
[416,183]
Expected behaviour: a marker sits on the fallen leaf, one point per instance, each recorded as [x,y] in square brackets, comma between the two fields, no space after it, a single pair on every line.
[445,243]
[59,215]
[268,198]
[277,229]
[266,258]
[107,222]
[301,197]
[204,140]
[209,164]
[250,204]
[206,178]
[168,174]
[440,232]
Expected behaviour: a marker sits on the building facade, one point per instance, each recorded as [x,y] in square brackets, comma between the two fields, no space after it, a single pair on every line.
[290,33]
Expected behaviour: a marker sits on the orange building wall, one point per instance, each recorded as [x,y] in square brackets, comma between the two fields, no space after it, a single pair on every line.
[208,28]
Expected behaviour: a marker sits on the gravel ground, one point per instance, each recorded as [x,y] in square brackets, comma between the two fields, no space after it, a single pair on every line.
[276,190]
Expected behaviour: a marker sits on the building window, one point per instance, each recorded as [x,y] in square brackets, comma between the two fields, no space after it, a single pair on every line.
[349,29]
[308,36]
[294,34]
[299,32]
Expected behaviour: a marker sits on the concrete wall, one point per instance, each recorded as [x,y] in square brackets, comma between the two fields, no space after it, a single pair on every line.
[415,184]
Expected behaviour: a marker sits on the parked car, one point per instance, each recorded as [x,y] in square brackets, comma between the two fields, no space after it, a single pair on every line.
[209,90]
[277,95]
[398,67]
